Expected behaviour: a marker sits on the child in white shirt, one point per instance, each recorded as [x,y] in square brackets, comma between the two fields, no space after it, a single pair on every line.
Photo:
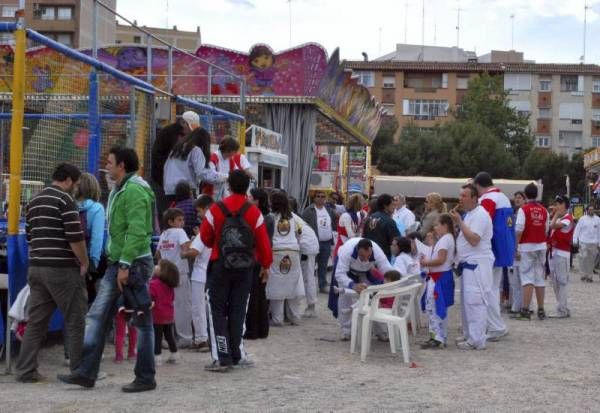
[404,262]
[172,243]
[201,254]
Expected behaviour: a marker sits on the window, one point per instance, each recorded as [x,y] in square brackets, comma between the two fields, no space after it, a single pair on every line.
[596,85]
[422,109]
[570,139]
[569,83]
[367,79]
[545,85]
[545,114]
[462,83]
[517,81]
[9,11]
[389,109]
[523,107]
[595,141]
[570,110]
[543,141]
[137,39]
[596,114]
[65,38]
[64,13]
[48,13]
[389,82]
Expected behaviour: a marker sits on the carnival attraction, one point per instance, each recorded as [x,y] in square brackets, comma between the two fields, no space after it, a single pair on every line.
[62,105]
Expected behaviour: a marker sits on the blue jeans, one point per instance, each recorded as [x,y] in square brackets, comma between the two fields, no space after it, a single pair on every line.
[322,261]
[100,318]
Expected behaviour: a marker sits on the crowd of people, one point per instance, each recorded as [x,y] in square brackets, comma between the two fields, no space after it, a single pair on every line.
[233,261]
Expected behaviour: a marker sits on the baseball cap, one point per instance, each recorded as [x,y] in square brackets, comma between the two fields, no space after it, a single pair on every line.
[562,199]
[192,119]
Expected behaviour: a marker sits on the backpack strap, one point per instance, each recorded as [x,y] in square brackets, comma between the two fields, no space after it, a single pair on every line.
[242,211]
[224,209]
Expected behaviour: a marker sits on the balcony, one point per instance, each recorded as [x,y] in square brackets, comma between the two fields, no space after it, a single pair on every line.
[596,100]
[595,131]
[424,82]
[543,126]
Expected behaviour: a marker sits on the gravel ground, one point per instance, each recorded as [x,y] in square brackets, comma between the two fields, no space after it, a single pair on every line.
[545,366]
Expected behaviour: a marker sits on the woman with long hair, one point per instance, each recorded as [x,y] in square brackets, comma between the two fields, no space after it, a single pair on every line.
[285,285]
[350,222]
[434,206]
[188,161]
[257,315]
[166,139]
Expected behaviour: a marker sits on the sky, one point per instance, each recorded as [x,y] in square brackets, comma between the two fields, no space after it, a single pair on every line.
[545,30]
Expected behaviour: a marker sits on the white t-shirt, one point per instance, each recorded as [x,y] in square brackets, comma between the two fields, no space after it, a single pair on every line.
[445,243]
[479,222]
[201,261]
[587,230]
[169,245]
[324,224]
[405,216]
[406,265]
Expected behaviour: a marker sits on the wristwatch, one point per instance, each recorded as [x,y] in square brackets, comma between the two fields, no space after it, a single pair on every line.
[123,266]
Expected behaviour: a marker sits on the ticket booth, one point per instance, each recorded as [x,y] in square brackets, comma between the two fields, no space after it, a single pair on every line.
[265,154]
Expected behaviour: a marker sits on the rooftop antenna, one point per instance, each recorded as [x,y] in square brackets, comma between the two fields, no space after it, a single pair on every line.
[512,31]
[585,9]
[290,13]
[405,21]
[167,14]
[380,34]
[458,10]
[423,31]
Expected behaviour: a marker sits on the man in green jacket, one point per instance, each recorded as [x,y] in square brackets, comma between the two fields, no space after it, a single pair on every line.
[130,218]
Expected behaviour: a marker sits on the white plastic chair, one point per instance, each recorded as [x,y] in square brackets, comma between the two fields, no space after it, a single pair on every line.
[396,323]
[362,308]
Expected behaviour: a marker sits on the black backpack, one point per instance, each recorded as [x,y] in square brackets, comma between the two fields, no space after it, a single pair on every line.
[236,246]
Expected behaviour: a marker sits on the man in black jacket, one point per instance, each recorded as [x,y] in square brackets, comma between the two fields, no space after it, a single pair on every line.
[322,220]
[380,227]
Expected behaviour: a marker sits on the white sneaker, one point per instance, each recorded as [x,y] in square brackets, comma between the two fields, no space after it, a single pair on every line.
[158,361]
[465,345]
[460,339]
[173,358]
[497,336]
[310,312]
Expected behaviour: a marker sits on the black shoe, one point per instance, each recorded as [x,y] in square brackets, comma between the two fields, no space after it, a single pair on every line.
[432,344]
[217,367]
[137,387]
[541,314]
[33,377]
[75,379]
[524,315]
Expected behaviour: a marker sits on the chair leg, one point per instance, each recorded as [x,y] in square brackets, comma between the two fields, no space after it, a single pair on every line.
[404,341]
[392,337]
[365,342]
[353,330]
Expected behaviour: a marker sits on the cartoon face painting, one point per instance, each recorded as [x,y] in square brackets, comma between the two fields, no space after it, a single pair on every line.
[261,62]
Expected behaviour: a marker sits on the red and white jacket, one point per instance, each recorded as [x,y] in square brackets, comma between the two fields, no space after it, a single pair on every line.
[561,239]
[235,162]
[212,224]
[347,229]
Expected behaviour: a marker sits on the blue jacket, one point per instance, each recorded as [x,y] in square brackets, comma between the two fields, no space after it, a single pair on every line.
[96,224]
[443,293]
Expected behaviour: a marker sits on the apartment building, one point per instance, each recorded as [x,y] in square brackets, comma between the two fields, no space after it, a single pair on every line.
[186,40]
[69,22]
[563,100]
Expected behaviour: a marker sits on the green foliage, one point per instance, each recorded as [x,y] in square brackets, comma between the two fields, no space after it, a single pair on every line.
[384,138]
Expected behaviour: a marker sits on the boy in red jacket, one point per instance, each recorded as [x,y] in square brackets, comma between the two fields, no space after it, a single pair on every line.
[228,289]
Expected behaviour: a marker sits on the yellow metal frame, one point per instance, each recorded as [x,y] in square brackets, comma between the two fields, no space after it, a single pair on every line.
[242,137]
[16,133]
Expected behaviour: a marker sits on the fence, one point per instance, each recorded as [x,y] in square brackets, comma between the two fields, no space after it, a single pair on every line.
[61,105]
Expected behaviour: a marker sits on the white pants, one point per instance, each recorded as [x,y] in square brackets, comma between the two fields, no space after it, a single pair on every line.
[308,275]
[495,324]
[475,291]
[559,275]
[199,319]
[292,306]
[438,327]
[587,258]
[516,292]
[183,309]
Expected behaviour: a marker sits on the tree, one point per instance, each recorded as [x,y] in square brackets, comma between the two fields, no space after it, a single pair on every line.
[551,168]
[384,138]
[486,102]
[457,149]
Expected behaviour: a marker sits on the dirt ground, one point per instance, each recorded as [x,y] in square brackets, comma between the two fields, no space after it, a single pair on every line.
[549,366]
